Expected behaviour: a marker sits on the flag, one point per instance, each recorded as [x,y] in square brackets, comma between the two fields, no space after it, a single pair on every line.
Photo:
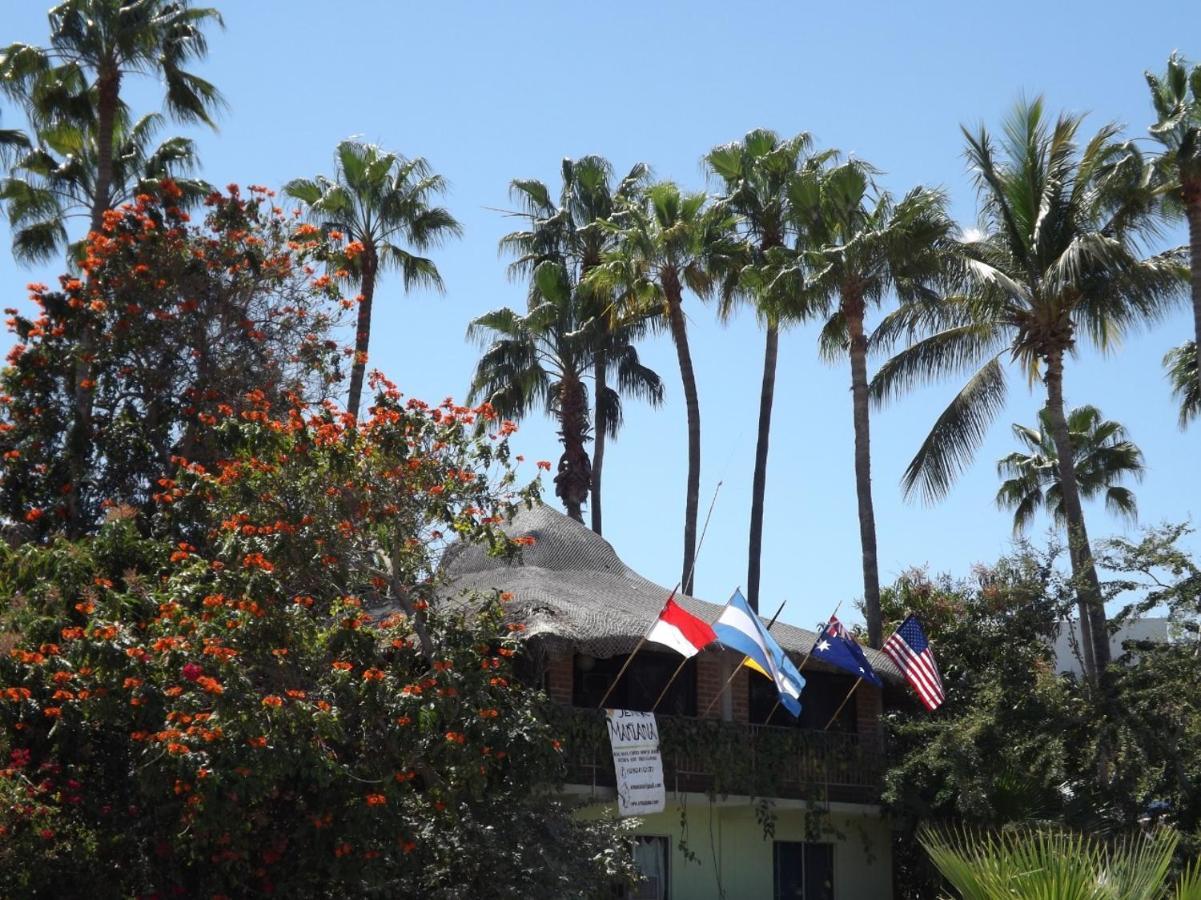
[741,630]
[910,650]
[835,647]
[680,630]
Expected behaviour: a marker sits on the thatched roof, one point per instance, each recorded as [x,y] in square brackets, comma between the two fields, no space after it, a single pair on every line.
[573,591]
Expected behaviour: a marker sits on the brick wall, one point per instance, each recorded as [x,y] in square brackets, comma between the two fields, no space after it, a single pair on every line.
[712,672]
[869,705]
[559,674]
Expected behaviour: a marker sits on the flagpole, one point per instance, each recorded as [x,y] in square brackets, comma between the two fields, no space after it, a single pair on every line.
[734,674]
[808,653]
[844,703]
[663,693]
[630,659]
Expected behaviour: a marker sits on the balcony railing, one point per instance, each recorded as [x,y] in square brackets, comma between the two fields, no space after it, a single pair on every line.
[714,756]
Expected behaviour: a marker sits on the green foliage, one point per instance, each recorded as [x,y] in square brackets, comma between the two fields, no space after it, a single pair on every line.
[1030,865]
[267,695]
[1017,744]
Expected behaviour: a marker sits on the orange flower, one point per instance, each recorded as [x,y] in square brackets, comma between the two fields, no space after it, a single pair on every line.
[260,741]
[373,675]
[52,712]
[342,665]
[273,701]
[456,737]
[376,799]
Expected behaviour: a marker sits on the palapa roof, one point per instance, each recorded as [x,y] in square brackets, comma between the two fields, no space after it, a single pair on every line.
[571,590]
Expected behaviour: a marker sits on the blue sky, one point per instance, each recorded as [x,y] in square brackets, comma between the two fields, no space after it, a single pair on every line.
[489,92]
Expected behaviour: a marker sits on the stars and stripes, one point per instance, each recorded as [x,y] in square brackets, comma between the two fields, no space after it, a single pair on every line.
[910,650]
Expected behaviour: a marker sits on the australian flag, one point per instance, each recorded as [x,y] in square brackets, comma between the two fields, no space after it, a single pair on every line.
[838,648]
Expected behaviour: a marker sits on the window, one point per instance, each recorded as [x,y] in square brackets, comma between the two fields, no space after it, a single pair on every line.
[804,871]
[650,855]
[821,696]
[639,687]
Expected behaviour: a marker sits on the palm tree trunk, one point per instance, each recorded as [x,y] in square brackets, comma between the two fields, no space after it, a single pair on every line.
[600,380]
[863,471]
[362,330]
[1192,206]
[679,336]
[80,437]
[574,476]
[1094,630]
[759,485]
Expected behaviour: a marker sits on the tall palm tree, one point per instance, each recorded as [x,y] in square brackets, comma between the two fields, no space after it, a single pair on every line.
[1177,99]
[1060,259]
[669,241]
[755,173]
[570,232]
[543,359]
[1181,364]
[55,181]
[94,46]
[859,247]
[381,200]
[1105,456]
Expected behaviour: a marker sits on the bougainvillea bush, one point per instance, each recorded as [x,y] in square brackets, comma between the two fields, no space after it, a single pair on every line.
[254,687]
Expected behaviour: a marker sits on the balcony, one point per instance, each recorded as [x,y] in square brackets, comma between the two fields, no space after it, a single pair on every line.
[709,755]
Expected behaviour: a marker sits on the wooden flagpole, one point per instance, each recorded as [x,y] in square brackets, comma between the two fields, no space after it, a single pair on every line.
[844,703]
[734,674]
[808,653]
[629,659]
[695,557]
[670,681]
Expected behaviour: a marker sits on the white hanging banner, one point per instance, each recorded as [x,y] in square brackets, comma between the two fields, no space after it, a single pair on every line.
[634,737]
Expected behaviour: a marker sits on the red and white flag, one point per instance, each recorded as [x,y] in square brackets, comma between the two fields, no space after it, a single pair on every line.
[680,630]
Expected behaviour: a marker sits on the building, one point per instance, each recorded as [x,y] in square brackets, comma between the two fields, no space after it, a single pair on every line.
[759,805]
[1068,654]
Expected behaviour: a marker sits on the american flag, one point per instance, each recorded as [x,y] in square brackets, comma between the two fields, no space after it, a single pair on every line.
[910,650]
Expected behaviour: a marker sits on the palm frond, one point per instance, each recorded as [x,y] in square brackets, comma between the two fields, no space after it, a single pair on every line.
[957,434]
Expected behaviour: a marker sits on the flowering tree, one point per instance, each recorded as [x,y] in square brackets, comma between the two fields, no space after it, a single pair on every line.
[176,323]
[255,688]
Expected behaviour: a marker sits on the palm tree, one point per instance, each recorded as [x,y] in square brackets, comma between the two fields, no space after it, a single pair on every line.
[755,173]
[380,200]
[1029,864]
[859,247]
[669,241]
[543,359]
[1060,258]
[1177,100]
[1181,363]
[571,233]
[56,181]
[94,46]
[1105,455]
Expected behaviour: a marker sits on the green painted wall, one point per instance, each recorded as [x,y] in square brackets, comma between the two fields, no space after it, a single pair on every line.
[728,832]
